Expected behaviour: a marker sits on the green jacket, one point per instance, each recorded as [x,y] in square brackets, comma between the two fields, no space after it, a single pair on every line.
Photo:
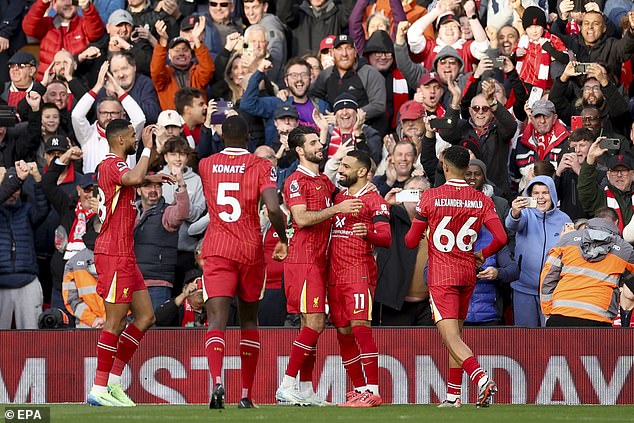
[593,197]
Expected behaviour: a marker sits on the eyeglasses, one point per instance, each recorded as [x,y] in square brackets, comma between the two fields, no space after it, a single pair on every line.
[590,89]
[480,109]
[88,190]
[111,114]
[448,61]
[298,75]
[214,4]
[19,65]
[590,118]
[383,54]
[621,172]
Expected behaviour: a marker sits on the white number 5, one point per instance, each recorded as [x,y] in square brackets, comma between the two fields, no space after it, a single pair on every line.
[226,200]
[465,231]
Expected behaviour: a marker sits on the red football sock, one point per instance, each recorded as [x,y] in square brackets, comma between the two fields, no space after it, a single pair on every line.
[351,358]
[215,352]
[249,353]
[307,367]
[455,381]
[128,343]
[473,369]
[369,353]
[302,350]
[106,350]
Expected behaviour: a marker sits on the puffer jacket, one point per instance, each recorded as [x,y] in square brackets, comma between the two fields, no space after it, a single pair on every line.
[53,37]
[536,233]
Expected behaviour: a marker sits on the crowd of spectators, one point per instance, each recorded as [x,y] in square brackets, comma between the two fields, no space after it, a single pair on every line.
[540,92]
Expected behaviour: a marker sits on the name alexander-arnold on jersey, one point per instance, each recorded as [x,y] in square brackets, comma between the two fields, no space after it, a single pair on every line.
[224,168]
[456,202]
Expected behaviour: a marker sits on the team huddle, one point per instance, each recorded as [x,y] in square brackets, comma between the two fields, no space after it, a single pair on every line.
[329,264]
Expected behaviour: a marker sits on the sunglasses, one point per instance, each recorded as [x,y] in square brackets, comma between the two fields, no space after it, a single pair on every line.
[480,109]
[214,4]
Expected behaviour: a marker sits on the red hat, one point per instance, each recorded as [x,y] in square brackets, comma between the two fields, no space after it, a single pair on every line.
[427,78]
[447,17]
[327,43]
[411,110]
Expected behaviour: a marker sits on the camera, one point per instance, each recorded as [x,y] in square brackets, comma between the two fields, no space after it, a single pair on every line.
[441,123]
[53,318]
[498,62]
[8,116]
[582,68]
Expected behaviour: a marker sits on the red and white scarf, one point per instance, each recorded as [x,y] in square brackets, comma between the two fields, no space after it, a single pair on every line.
[77,231]
[613,204]
[534,67]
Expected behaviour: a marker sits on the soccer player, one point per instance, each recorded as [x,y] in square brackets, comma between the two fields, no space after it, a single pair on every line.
[120,282]
[233,182]
[352,278]
[309,195]
[455,212]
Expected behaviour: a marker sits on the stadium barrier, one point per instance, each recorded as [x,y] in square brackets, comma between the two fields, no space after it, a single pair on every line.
[531,366]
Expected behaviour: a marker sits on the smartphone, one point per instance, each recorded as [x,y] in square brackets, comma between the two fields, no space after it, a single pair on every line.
[408,196]
[576,122]
[536,94]
[532,202]
[441,123]
[582,68]
[95,191]
[498,62]
[612,144]
[579,6]
[222,107]
[569,227]
[479,269]
[75,2]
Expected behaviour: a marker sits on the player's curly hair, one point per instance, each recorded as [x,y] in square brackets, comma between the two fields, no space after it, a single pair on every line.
[297,137]
[457,156]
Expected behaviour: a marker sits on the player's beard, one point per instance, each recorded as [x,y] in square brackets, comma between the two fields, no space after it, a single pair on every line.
[348,181]
[313,157]
[131,150]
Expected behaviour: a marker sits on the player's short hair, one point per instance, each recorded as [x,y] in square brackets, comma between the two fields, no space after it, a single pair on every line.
[607,213]
[176,145]
[115,128]
[297,136]
[457,157]
[235,131]
[185,97]
[362,157]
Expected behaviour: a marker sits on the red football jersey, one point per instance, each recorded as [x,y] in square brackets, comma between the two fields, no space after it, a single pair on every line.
[117,209]
[455,213]
[232,182]
[308,245]
[347,250]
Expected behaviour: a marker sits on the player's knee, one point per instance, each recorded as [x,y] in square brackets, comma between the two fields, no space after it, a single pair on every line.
[145,322]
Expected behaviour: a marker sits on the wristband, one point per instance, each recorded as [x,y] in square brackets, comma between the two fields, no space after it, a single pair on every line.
[146,152]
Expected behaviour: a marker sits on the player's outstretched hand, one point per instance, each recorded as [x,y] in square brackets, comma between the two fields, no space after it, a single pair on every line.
[352,205]
[479,258]
[359,229]
[160,178]
[281,251]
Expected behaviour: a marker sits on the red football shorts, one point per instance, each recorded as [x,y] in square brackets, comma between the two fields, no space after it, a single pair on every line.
[305,287]
[348,302]
[223,277]
[118,277]
[450,302]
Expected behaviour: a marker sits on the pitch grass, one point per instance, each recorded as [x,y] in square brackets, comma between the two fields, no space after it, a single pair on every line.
[385,413]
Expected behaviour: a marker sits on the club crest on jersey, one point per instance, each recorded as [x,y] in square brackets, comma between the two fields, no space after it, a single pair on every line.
[294,186]
[340,222]
[125,292]
[273,174]
[316,302]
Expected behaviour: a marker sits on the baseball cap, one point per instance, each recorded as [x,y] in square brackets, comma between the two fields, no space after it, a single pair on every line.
[428,77]
[120,16]
[191,275]
[443,19]
[87,180]
[327,43]
[286,110]
[56,143]
[543,107]
[343,39]
[345,101]
[179,40]
[22,58]
[620,160]
[188,23]
[411,110]
[170,118]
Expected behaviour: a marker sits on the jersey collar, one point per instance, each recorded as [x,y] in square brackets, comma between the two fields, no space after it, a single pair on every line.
[457,183]
[233,151]
[359,193]
[306,171]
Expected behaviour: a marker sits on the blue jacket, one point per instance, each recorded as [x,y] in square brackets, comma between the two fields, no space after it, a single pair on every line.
[264,106]
[18,260]
[536,233]
[484,305]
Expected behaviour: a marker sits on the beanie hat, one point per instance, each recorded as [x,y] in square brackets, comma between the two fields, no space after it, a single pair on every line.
[534,15]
